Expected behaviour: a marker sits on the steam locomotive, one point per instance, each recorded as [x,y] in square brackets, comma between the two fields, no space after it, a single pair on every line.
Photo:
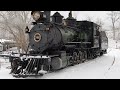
[56,43]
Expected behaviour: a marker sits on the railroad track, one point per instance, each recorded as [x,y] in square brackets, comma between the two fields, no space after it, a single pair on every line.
[109,51]
[113,62]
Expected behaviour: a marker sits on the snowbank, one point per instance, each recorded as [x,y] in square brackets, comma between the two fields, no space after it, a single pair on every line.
[105,67]
[114,44]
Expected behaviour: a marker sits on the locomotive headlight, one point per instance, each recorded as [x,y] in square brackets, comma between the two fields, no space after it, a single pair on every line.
[37,37]
[36,15]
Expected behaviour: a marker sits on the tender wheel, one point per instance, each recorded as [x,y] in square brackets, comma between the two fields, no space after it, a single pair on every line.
[101,53]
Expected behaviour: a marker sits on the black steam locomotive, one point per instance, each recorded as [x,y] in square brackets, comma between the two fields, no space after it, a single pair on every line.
[55,43]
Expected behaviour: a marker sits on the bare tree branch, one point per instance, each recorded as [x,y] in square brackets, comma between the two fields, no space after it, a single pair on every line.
[15,22]
[114,16]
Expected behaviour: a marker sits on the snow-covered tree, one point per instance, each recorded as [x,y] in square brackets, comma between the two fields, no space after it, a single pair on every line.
[15,22]
[100,23]
[114,17]
[89,18]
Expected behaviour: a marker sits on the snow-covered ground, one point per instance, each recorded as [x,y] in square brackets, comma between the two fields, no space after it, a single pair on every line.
[4,69]
[105,67]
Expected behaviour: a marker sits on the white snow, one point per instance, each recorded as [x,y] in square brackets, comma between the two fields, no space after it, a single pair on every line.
[105,67]
[4,40]
[99,68]
[4,69]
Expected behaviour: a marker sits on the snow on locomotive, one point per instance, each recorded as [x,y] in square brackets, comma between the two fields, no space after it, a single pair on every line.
[55,43]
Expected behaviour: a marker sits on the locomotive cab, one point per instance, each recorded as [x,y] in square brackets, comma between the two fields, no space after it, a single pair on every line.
[103,42]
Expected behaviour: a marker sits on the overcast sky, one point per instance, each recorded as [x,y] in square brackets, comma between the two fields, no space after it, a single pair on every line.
[83,15]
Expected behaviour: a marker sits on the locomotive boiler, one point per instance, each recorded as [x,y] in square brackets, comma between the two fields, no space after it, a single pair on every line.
[56,43]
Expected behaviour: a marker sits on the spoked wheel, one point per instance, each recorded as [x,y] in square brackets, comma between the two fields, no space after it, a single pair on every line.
[89,55]
[80,54]
[73,59]
[84,56]
[94,55]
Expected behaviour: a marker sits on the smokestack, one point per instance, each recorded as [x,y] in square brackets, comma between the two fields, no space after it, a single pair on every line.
[70,14]
[47,13]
